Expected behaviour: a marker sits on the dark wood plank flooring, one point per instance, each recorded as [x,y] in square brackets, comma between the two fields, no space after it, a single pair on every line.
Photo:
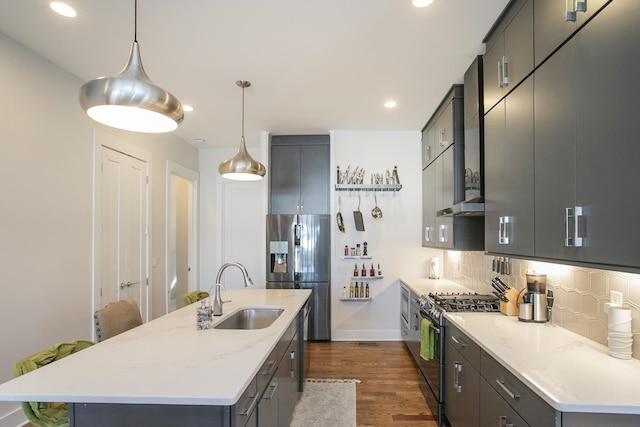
[388,394]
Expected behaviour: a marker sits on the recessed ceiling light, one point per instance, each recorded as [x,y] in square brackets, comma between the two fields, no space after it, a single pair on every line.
[187,108]
[391,104]
[63,9]
[422,3]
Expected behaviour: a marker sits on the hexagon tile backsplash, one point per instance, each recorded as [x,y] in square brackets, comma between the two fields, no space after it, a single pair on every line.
[580,293]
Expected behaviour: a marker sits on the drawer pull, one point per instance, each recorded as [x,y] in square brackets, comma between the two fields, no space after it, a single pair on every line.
[458,341]
[273,387]
[249,409]
[503,385]
[271,364]
[504,423]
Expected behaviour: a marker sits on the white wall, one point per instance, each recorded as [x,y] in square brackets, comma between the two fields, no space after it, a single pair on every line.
[394,240]
[46,169]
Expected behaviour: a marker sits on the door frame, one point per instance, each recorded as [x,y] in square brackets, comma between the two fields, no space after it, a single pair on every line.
[175,169]
[102,139]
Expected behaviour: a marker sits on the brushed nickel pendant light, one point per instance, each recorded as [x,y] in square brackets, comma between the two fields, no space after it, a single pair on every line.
[129,100]
[242,167]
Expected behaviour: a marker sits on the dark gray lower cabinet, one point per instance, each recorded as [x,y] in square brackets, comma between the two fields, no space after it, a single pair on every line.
[287,379]
[462,391]
[586,146]
[495,411]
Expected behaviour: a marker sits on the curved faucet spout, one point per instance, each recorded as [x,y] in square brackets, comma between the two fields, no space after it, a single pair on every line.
[247,280]
[217,302]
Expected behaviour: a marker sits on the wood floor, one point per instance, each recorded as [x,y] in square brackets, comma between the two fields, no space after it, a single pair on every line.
[388,394]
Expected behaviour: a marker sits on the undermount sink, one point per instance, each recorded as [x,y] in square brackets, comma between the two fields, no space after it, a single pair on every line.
[250,318]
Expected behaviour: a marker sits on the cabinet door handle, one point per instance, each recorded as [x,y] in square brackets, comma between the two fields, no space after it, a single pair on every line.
[500,74]
[442,137]
[577,223]
[504,423]
[457,368]
[427,234]
[568,219]
[504,230]
[570,11]
[249,409]
[505,71]
[581,5]
[511,394]
[427,156]
[444,235]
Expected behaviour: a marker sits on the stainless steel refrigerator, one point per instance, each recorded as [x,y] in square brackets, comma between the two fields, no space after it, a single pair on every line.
[298,257]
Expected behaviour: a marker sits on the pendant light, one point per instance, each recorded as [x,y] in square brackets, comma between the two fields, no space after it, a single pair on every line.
[242,166]
[129,100]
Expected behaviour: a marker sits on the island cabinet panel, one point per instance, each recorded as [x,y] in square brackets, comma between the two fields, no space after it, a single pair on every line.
[123,415]
[509,187]
[586,147]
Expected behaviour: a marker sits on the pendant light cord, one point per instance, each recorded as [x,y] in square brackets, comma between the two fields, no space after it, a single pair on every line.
[243,112]
[135,21]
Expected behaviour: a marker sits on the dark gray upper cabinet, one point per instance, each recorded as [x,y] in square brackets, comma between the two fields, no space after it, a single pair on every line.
[427,145]
[555,21]
[299,174]
[428,207]
[586,142]
[508,145]
[509,55]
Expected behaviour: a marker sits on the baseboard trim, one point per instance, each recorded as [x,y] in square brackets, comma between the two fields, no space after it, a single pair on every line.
[360,335]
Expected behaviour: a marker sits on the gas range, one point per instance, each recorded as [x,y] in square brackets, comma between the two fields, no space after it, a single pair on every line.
[434,305]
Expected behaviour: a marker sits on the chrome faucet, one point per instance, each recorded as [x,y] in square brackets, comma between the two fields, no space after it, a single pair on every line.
[217,302]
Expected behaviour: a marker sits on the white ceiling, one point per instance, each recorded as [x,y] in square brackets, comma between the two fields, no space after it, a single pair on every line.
[314,66]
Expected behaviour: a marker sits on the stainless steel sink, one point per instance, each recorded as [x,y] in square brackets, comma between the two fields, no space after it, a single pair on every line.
[250,318]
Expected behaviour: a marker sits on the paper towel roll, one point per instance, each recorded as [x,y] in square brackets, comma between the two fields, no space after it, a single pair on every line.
[620,319]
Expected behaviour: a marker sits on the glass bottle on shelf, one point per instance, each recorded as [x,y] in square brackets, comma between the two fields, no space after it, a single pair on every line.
[372,271]
[355,271]
[355,293]
[364,270]
[366,290]
[379,270]
[350,289]
[361,290]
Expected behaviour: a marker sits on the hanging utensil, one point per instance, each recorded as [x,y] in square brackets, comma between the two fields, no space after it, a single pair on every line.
[357,217]
[376,212]
[339,215]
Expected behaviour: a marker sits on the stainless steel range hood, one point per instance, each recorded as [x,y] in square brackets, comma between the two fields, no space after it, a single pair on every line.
[472,207]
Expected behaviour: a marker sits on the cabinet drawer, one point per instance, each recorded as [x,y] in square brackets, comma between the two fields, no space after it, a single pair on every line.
[286,339]
[267,370]
[465,346]
[520,397]
[494,410]
[246,404]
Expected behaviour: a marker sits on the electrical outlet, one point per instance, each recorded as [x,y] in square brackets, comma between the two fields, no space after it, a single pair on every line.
[615,298]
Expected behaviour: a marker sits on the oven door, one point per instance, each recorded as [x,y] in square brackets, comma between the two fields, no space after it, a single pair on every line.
[433,369]
[404,305]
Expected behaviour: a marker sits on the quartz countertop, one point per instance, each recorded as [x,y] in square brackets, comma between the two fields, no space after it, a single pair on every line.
[570,372]
[166,361]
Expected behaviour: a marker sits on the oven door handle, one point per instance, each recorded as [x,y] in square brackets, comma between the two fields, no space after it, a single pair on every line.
[435,329]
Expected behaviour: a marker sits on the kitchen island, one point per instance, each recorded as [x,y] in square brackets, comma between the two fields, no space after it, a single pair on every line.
[166,370]
[574,376]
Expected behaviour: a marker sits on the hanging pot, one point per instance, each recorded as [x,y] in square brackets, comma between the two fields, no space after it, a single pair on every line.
[376,212]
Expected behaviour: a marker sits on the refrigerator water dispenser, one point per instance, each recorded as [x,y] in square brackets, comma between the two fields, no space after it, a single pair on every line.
[279,252]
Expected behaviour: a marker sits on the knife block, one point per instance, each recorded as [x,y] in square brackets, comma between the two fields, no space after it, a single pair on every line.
[510,308]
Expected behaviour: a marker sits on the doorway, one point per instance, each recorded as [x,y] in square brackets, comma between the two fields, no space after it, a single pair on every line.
[182,232]
[122,227]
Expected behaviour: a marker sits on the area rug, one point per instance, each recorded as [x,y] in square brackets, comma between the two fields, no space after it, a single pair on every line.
[326,402]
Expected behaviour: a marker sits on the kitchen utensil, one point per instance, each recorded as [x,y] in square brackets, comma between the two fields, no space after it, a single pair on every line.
[376,212]
[357,217]
[501,286]
[500,296]
[339,219]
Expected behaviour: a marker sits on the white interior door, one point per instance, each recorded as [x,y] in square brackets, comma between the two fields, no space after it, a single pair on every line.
[124,229]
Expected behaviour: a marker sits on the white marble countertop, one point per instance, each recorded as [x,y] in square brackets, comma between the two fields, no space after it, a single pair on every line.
[570,372]
[166,361]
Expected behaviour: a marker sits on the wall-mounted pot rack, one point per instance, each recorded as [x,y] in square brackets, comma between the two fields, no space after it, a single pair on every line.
[368,187]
